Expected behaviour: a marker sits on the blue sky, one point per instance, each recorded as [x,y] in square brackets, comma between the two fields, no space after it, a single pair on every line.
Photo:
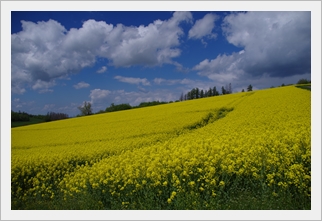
[61,59]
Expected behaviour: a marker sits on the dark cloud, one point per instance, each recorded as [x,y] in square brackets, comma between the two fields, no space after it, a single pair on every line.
[275,44]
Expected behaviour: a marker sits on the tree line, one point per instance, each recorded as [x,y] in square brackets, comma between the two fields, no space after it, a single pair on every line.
[196,93]
[86,109]
[24,117]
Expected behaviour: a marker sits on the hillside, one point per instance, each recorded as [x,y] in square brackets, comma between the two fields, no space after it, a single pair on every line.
[210,153]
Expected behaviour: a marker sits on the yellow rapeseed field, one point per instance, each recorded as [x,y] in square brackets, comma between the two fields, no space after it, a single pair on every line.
[194,154]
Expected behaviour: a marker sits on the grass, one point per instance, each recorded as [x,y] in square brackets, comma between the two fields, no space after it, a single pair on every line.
[33,120]
[304,86]
[231,199]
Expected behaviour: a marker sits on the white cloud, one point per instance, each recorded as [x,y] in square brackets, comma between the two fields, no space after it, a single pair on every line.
[17,103]
[45,91]
[223,69]
[45,51]
[145,45]
[102,70]
[81,85]
[142,89]
[203,27]
[43,86]
[160,81]
[131,80]
[101,99]
[185,85]
[98,95]
[48,107]
[273,44]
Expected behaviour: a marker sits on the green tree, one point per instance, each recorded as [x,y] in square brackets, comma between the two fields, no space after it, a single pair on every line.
[201,94]
[214,91]
[189,95]
[181,97]
[243,90]
[250,88]
[210,92]
[86,109]
[303,81]
[118,107]
[223,90]
[193,93]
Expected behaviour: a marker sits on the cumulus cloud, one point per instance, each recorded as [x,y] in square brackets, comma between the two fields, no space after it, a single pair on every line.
[142,89]
[103,98]
[145,45]
[274,44]
[18,103]
[160,81]
[203,27]
[102,70]
[222,69]
[48,107]
[43,86]
[97,95]
[46,51]
[131,80]
[81,85]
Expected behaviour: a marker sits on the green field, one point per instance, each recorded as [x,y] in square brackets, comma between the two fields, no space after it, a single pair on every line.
[33,120]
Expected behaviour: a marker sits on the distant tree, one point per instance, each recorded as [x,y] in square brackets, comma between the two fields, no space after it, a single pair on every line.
[86,109]
[250,88]
[181,97]
[118,107]
[151,103]
[243,90]
[223,90]
[210,92]
[197,93]
[100,112]
[193,93]
[206,93]
[217,93]
[51,116]
[185,97]
[214,91]
[142,104]
[283,85]
[303,81]
[201,94]
[19,116]
[189,95]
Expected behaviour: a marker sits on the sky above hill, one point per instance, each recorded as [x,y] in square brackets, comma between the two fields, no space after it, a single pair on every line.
[61,59]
